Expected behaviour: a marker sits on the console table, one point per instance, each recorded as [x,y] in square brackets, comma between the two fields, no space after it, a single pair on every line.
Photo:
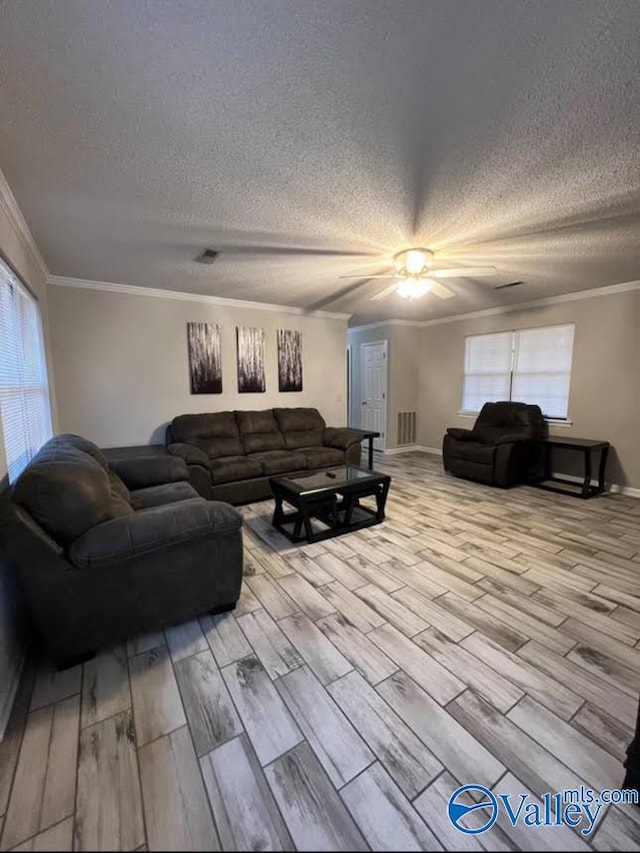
[564,486]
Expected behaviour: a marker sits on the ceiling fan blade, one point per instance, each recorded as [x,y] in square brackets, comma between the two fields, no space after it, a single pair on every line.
[461,272]
[382,293]
[249,249]
[441,291]
[369,276]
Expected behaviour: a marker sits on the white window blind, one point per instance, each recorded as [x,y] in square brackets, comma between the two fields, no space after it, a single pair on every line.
[24,395]
[487,369]
[526,366]
[542,368]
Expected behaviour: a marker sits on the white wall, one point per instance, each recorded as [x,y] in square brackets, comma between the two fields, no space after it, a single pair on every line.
[15,248]
[604,397]
[122,366]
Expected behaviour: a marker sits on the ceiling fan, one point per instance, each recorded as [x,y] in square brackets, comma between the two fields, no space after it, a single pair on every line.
[413,267]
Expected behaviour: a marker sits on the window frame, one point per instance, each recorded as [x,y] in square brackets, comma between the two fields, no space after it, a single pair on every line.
[556,421]
[45,387]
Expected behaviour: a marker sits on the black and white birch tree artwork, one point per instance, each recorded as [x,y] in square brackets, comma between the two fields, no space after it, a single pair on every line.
[250,360]
[289,360]
[205,360]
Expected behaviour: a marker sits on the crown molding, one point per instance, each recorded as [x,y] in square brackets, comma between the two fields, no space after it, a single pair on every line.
[10,207]
[381,323]
[608,290]
[182,296]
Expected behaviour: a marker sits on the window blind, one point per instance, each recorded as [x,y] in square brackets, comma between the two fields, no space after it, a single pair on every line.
[24,395]
[487,373]
[542,368]
[527,366]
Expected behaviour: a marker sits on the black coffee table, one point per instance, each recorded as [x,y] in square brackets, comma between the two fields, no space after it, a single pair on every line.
[332,497]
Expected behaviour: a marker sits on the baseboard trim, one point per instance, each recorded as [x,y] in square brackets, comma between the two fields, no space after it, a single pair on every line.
[613,489]
[412,448]
[5,711]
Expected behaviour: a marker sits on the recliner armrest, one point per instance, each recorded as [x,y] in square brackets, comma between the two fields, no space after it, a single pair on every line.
[191,454]
[151,530]
[341,438]
[462,434]
[512,438]
[145,471]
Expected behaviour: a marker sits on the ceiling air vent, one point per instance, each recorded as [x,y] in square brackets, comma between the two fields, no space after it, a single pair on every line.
[208,256]
[511,284]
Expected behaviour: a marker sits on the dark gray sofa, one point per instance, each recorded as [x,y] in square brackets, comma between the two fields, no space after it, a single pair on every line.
[231,455]
[103,554]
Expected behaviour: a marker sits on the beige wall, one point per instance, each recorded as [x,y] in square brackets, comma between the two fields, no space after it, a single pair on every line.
[122,367]
[604,398]
[402,372]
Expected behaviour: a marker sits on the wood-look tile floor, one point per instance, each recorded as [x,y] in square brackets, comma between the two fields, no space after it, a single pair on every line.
[478,635]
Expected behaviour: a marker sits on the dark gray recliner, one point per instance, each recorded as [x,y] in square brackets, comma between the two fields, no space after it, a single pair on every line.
[501,448]
[99,563]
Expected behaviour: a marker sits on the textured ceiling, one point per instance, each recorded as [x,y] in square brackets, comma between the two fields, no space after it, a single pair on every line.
[134,134]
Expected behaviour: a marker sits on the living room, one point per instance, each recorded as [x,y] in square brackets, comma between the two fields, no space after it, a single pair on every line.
[319,415]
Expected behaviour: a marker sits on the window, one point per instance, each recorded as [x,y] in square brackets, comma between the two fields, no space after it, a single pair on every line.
[528,366]
[24,395]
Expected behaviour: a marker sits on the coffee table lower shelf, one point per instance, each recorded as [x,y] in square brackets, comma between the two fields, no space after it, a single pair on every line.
[340,510]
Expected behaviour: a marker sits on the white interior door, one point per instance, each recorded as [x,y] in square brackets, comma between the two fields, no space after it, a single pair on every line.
[373,414]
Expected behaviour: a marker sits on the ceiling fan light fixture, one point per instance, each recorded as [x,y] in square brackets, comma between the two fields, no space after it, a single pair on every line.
[414,288]
[413,261]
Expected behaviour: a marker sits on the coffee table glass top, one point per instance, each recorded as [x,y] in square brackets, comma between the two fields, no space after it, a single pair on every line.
[334,478]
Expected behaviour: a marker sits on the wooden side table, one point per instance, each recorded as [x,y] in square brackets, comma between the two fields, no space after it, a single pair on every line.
[564,486]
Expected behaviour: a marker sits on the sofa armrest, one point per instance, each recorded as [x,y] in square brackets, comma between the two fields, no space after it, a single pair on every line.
[341,438]
[462,434]
[144,471]
[191,454]
[152,530]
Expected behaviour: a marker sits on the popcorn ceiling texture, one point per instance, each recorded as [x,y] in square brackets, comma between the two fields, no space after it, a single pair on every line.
[134,134]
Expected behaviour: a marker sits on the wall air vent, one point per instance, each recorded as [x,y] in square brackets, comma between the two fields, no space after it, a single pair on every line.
[407,427]
[511,284]
[208,256]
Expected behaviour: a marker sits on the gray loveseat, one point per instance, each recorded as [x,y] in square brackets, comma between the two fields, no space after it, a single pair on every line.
[99,562]
[231,455]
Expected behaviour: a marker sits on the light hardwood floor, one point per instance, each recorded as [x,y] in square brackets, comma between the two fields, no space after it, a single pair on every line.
[478,635]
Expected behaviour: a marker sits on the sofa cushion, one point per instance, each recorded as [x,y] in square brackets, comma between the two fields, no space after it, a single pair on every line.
[151,530]
[233,468]
[168,493]
[216,433]
[323,457]
[66,491]
[301,427]
[280,461]
[259,431]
